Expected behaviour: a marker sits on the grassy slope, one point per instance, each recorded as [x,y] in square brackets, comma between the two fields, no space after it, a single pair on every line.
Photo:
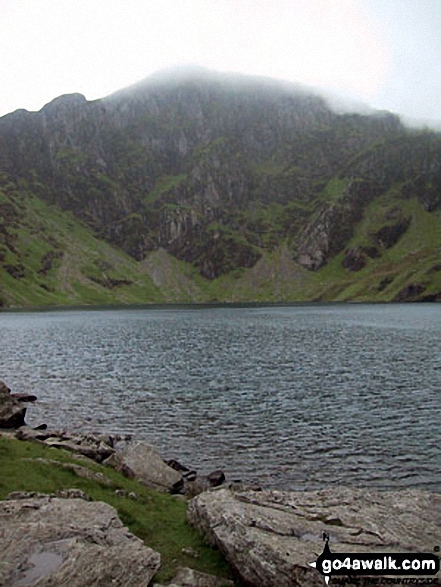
[409,261]
[87,270]
[413,259]
[159,519]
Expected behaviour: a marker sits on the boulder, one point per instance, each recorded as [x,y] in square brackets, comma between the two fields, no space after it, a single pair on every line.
[270,537]
[12,412]
[48,541]
[149,468]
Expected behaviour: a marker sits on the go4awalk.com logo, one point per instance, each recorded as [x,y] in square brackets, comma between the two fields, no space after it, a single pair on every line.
[331,564]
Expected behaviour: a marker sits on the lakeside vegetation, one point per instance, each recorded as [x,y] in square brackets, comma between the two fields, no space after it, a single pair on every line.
[159,519]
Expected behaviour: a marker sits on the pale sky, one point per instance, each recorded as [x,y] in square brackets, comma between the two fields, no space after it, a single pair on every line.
[386,53]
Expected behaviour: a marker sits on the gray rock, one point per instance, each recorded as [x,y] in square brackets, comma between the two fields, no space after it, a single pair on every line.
[270,537]
[149,468]
[109,439]
[47,542]
[12,412]
[189,578]
[64,493]
[38,435]
[86,445]
[116,461]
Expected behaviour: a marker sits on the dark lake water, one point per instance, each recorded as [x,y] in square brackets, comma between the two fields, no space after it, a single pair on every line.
[294,397]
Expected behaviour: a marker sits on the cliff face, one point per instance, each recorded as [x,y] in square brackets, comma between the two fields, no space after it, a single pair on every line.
[218,171]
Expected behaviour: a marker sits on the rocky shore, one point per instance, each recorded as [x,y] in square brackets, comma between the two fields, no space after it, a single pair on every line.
[268,537]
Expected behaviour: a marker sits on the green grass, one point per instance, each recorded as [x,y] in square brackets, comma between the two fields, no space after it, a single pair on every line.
[334,188]
[408,261]
[158,519]
[163,185]
[74,277]
[85,268]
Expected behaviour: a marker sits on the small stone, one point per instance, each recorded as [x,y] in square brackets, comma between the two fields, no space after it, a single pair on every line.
[176,465]
[41,427]
[216,478]
[191,552]
[73,494]
[4,388]
[24,397]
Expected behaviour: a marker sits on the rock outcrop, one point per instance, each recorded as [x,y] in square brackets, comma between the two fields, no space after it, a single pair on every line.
[89,445]
[355,257]
[388,235]
[135,460]
[270,537]
[48,542]
[12,412]
[410,293]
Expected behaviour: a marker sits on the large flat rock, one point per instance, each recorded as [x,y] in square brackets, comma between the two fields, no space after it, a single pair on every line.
[48,542]
[270,537]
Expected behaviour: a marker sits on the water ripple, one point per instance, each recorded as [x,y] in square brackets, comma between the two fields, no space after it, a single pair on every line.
[297,397]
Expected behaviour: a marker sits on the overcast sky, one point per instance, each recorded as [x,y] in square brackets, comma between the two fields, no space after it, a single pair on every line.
[386,53]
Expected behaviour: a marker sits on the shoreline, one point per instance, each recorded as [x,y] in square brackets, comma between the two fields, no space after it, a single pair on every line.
[268,536]
[206,305]
[204,465]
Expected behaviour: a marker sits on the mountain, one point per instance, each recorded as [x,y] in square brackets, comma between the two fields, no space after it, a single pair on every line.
[215,187]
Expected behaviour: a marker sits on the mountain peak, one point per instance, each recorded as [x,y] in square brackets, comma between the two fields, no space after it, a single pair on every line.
[65,100]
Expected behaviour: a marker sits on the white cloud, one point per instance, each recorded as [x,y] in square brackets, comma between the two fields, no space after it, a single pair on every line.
[50,47]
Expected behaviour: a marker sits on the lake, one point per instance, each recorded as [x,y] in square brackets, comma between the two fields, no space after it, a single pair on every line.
[295,397]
